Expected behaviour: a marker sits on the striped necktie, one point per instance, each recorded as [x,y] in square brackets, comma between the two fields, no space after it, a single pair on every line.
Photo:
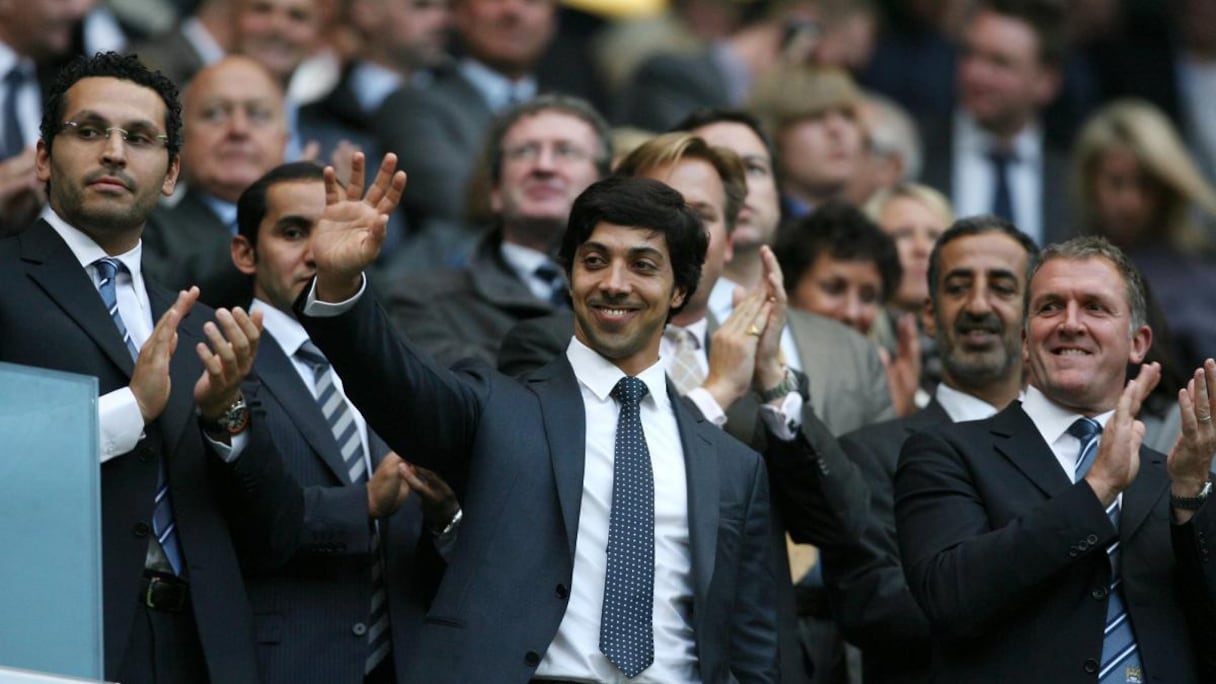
[341,421]
[626,627]
[162,510]
[1120,659]
[685,365]
[12,142]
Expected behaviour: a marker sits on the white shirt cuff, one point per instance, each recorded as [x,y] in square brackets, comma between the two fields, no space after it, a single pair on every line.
[120,423]
[784,420]
[318,309]
[228,453]
[708,406]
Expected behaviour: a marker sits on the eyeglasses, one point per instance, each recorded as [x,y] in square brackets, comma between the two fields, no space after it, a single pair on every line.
[96,133]
[563,152]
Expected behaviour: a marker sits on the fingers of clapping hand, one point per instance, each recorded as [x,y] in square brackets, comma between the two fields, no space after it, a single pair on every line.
[1195,402]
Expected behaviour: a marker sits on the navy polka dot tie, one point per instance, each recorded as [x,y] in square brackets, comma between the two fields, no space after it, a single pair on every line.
[626,632]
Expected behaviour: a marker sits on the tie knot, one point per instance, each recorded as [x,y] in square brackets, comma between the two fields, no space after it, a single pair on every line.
[1085,429]
[310,354]
[682,338]
[15,76]
[629,391]
[108,267]
[549,273]
[1001,157]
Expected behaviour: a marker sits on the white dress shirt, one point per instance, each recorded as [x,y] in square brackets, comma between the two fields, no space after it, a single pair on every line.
[974,178]
[524,261]
[1053,421]
[120,421]
[575,651]
[497,90]
[961,406]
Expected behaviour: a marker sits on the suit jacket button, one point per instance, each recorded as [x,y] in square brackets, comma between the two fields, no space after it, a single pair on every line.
[142,529]
[532,659]
[359,629]
[1090,666]
[1092,539]
[562,592]
[1099,593]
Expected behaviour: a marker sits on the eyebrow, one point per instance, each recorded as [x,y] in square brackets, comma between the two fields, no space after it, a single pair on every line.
[632,251]
[294,221]
[90,116]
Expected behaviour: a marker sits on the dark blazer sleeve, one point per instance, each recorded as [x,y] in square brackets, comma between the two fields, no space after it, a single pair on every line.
[869,593]
[957,561]
[1197,583]
[416,406]
[753,639]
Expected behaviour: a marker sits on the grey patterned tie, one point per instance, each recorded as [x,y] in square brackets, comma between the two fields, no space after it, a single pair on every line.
[341,421]
[1120,659]
[162,510]
[685,365]
[12,142]
[626,629]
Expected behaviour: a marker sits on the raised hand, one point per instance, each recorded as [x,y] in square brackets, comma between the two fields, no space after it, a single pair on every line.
[1190,460]
[732,349]
[1118,459]
[150,380]
[227,358]
[770,364]
[903,370]
[349,233]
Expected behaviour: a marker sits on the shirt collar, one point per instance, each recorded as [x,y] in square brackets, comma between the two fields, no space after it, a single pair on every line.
[87,251]
[600,375]
[495,88]
[372,84]
[9,58]
[209,51]
[224,211]
[523,260]
[699,330]
[1050,418]
[285,329]
[961,406]
[1027,144]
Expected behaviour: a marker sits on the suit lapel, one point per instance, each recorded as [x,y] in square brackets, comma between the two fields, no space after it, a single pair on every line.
[1150,485]
[701,471]
[565,430]
[1018,440]
[277,374]
[51,265]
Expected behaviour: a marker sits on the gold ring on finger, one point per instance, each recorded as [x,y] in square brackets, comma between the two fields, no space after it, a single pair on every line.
[1205,419]
[753,330]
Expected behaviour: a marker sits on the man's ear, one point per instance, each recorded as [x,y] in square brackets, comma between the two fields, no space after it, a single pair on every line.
[928,318]
[1142,340]
[244,256]
[170,182]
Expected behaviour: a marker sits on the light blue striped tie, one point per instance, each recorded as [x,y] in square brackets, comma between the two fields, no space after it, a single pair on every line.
[1120,659]
[162,511]
[342,424]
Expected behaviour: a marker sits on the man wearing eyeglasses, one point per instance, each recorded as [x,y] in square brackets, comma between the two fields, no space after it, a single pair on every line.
[176,436]
[541,155]
[234,132]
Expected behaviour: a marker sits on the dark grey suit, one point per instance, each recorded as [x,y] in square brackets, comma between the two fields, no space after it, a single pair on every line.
[865,578]
[189,245]
[513,451]
[464,313]
[938,173]
[1007,557]
[54,318]
[308,611]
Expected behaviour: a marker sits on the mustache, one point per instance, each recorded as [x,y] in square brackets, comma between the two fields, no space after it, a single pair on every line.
[968,322]
[117,174]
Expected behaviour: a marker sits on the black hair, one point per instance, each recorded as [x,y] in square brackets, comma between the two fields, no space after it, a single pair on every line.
[251,207]
[840,231]
[112,65]
[648,204]
[980,225]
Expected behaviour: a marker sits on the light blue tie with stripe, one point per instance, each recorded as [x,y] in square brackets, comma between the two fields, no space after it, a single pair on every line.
[342,424]
[162,511]
[1120,659]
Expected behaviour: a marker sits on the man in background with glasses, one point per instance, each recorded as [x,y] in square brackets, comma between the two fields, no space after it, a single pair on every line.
[176,436]
[541,155]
